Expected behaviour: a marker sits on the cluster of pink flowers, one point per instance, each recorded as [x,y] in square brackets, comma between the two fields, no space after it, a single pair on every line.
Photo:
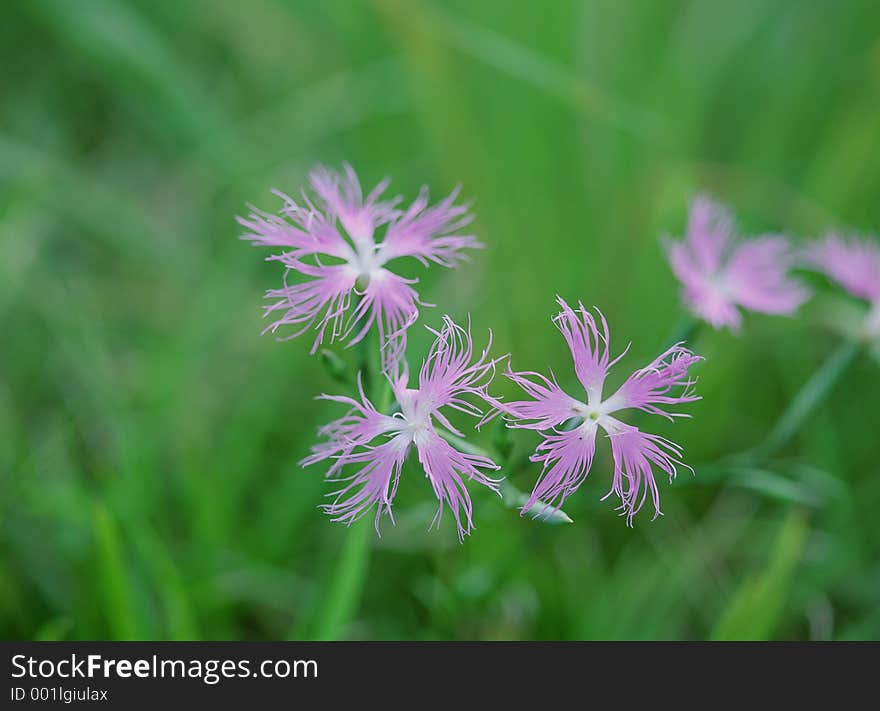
[721,273]
[339,250]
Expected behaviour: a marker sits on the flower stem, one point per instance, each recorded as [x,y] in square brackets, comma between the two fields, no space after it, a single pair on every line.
[686,330]
[346,583]
[813,392]
[345,590]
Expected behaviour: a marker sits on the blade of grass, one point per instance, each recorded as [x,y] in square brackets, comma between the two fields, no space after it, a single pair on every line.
[54,630]
[116,590]
[756,608]
[168,583]
[119,41]
[510,57]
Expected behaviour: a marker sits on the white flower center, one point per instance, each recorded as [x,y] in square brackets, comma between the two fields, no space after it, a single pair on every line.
[417,418]
[365,261]
[719,285]
[595,414]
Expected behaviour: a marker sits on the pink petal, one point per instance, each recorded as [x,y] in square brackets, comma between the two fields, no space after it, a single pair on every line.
[357,428]
[566,458]
[450,371]
[709,231]
[391,305]
[549,407]
[320,302]
[852,263]
[344,199]
[757,278]
[374,484]
[429,233]
[589,346]
[635,454]
[447,468]
[650,386]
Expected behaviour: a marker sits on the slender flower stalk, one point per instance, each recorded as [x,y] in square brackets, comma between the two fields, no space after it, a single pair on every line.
[805,402]
[569,425]
[338,243]
[721,275]
[687,330]
[349,574]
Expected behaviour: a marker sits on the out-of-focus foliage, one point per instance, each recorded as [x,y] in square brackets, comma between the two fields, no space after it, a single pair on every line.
[149,435]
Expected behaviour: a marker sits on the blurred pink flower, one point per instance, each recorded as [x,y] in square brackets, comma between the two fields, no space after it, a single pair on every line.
[855,265]
[332,243]
[567,454]
[378,444]
[719,274]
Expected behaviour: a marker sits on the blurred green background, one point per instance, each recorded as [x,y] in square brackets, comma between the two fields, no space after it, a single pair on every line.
[149,435]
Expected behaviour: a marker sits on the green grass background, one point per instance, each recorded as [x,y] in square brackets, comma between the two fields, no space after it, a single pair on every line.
[149,435]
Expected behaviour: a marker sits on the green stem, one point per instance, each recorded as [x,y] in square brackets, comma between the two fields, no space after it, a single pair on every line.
[813,392]
[340,603]
[346,583]
[686,330]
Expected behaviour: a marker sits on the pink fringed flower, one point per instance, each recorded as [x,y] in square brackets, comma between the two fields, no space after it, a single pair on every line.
[855,265]
[378,444]
[332,242]
[566,453]
[719,274]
